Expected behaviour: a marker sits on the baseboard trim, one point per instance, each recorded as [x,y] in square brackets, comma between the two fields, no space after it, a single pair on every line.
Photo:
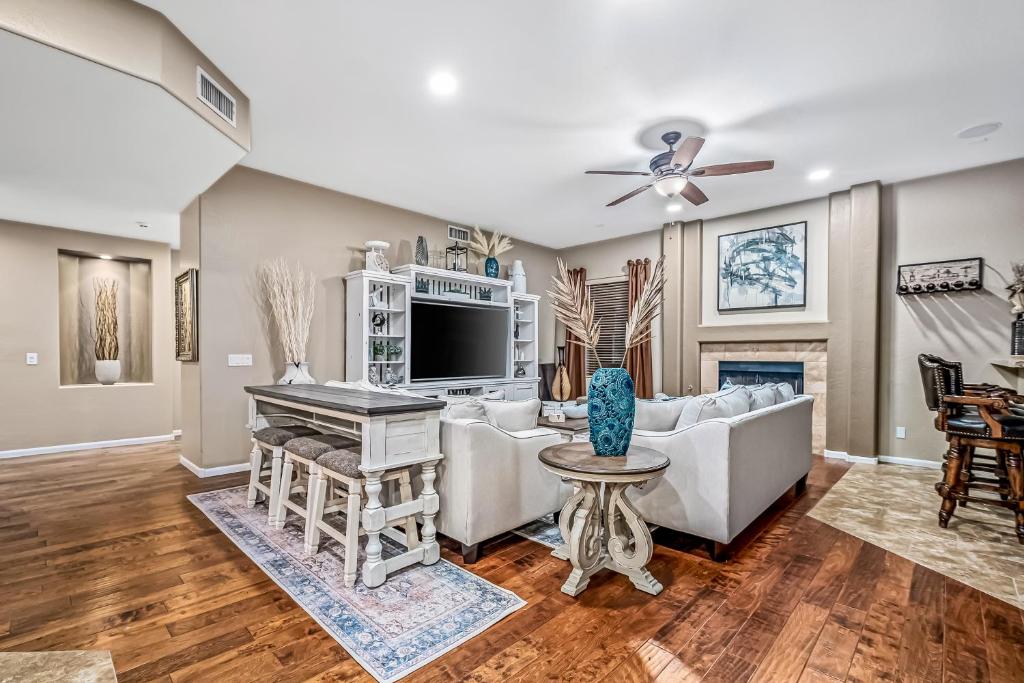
[911,462]
[857,459]
[175,433]
[204,472]
[85,446]
[834,455]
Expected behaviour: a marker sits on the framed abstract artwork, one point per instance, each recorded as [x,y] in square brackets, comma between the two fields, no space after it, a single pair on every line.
[186,316]
[763,268]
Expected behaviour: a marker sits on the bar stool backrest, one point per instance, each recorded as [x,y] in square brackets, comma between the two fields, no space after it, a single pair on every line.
[940,378]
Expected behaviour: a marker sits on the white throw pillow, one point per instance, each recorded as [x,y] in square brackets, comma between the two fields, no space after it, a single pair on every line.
[513,416]
[784,392]
[467,410]
[659,416]
[726,403]
[763,396]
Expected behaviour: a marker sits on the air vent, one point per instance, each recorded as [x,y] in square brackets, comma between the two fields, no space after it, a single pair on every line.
[458,234]
[214,96]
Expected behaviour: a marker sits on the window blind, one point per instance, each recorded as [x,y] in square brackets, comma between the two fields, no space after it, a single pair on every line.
[611,307]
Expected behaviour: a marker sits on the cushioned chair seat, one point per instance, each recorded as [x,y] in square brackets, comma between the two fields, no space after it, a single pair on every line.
[971,424]
[312,447]
[278,436]
[344,461]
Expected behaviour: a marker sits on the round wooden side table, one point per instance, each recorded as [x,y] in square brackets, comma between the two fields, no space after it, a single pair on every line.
[600,527]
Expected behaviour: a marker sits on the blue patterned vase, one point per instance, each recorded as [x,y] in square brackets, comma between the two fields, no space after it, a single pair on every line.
[491,267]
[611,405]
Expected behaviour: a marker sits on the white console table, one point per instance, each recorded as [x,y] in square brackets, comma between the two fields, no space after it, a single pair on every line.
[395,431]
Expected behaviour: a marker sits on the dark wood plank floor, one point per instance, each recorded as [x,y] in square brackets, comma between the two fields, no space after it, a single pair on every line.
[101,550]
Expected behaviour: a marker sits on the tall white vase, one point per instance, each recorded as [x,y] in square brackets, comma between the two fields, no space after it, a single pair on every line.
[296,373]
[518,277]
[108,371]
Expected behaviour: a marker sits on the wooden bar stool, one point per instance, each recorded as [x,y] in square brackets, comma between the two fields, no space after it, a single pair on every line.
[336,484]
[264,475]
[300,455]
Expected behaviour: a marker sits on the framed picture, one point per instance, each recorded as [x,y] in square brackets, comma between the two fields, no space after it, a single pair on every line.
[186,316]
[763,268]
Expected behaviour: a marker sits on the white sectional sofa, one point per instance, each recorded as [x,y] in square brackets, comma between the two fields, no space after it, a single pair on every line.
[726,469]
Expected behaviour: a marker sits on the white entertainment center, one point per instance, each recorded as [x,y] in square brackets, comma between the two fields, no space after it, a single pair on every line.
[379,330]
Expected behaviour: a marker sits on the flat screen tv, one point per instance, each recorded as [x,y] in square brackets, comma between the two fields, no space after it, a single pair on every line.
[456,341]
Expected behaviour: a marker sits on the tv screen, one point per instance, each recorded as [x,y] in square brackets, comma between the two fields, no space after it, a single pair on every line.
[458,341]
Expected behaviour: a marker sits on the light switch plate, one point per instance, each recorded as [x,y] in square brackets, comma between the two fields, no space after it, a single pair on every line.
[901,432]
[31,359]
[239,359]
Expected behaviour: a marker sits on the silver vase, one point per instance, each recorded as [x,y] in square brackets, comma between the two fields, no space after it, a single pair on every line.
[422,254]
[296,373]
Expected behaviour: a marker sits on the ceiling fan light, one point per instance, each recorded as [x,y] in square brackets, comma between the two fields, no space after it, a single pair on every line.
[670,185]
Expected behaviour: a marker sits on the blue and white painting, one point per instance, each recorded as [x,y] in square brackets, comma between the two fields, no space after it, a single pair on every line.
[763,268]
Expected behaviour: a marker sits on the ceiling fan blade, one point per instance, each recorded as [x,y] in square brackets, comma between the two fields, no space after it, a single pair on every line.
[693,194]
[629,196]
[617,172]
[687,151]
[730,169]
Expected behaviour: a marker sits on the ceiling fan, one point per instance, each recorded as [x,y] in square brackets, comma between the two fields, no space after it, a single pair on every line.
[672,173]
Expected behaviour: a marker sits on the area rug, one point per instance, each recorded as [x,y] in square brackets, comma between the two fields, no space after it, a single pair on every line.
[543,531]
[418,614]
[72,666]
[896,508]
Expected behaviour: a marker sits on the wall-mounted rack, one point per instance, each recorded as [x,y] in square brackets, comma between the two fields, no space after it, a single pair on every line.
[939,277]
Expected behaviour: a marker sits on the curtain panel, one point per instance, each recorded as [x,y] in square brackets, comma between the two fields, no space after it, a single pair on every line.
[639,362]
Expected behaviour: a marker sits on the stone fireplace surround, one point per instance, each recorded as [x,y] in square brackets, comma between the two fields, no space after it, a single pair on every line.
[813,354]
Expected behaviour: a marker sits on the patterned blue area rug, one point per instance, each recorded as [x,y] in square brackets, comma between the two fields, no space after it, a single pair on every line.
[416,616]
[543,531]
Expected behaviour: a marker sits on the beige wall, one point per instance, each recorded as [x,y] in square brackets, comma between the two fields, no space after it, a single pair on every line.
[191,385]
[977,212]
[36,411]
[248,217]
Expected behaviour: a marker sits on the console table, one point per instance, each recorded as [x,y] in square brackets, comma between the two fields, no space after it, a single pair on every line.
[602,527]
[396,432]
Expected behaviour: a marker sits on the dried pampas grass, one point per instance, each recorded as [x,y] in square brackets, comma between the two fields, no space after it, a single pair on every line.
[495,246]
[290,294]
[574,309]
[105,322]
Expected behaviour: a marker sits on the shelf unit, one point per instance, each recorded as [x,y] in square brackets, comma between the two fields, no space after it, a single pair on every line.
[524,336]
[377,327]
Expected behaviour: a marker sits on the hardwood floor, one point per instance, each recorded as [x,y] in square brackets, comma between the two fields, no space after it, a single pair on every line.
[101,550]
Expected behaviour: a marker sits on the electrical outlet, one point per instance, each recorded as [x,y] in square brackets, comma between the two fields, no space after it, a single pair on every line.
[31,359]
[239,359]
[901,432]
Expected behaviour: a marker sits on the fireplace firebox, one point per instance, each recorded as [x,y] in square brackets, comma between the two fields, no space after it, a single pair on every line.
[761,372]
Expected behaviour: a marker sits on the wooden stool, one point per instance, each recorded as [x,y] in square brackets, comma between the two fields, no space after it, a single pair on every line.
[272,440]
[300,454]
[335,485]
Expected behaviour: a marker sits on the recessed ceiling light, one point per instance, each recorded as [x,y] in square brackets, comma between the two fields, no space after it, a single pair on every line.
[443,83]
[674,208]
[979,131]
[106,257]
[819,174]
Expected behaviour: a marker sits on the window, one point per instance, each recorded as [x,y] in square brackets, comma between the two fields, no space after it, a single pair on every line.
[611,307]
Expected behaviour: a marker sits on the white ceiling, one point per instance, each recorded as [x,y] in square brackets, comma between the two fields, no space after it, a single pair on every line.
[873,89]
[87,147]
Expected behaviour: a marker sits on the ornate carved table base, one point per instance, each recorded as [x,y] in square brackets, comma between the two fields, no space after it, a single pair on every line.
[601,527]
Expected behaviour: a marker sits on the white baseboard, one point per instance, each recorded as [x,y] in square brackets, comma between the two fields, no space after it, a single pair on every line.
[843,455]
[834,455]
[86,446]
[175,432]
[912,462]
[887,459]
[203,473]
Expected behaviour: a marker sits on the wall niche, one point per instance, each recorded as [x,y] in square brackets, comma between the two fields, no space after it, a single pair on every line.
[105,319]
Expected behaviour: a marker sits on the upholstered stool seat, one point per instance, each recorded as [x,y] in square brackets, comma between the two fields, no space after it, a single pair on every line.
[343,461]
[972,424]
[300,456]
[312,447]
[278,436]
[270,439]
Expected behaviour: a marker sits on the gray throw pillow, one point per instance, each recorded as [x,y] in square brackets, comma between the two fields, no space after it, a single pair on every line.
[468,410]
[659,416]
[726,403]
[763,396]
[784,392]
[513,416]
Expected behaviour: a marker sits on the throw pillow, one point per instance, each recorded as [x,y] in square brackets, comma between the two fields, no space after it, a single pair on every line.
[513,416]
[659,416]
[784,392]
[763,395]
[726,403]
[467,410]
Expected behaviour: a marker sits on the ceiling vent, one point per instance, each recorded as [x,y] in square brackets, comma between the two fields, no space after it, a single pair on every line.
[214,96]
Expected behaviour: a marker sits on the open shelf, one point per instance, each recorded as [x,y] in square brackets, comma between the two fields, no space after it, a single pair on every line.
[457,300]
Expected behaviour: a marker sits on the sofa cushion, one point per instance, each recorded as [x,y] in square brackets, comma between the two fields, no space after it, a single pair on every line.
[726,403]
[469,410]
[659,416]
[513,416]
[784,392]
[763,396]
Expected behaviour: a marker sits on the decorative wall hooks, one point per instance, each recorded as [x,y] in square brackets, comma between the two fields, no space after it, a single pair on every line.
[940,276]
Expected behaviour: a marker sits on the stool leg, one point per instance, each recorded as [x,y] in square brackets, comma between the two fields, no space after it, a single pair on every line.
[1015,473]
[352,533]
[954,467]
[277,455]
[374,573]
[966,470]
[316,497]
[279,512]
[255,465]
[412,537]
[431,550]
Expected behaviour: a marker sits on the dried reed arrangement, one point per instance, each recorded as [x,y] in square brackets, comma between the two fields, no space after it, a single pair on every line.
[1016,289]
[480,245]
[573,308]
[291,294]
[105,321]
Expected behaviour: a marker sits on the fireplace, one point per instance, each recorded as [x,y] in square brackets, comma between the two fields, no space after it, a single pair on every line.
[761,372]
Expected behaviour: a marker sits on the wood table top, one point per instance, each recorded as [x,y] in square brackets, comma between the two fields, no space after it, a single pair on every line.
[579,424]
[579,457]
[357,401]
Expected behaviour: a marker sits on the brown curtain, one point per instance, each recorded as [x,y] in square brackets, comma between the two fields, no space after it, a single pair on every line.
[575,354]
[638,359]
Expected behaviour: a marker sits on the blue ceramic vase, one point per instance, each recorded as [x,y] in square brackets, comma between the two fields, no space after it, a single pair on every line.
[611,406]
[491,267]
